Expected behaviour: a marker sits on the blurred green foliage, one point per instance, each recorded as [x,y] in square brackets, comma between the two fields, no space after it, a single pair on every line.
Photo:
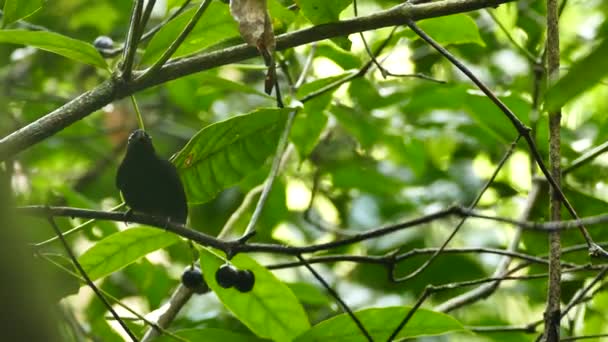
[376,150]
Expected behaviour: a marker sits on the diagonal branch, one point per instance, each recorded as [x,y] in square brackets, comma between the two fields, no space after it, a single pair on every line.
[177,42]
[132,40]
[594,249]
[115,89]
[89,281]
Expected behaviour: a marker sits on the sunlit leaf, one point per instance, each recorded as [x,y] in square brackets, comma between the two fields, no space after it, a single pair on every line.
[214,26]
[581,76]
[451,29]
[123,248]
[53,42]
[270,309]
[19,9]
[222,154]
[380,323]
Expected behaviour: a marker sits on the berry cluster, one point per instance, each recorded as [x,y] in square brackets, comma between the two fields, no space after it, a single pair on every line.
[192,278]
[228,276]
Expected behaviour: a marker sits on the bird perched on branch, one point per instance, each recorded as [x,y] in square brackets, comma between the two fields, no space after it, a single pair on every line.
[150,184]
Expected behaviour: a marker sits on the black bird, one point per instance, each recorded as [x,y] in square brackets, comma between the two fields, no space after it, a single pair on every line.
[150,184]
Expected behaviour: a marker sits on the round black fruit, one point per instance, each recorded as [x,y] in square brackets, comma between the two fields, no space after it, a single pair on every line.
[192,278]
[103,42]
[245,280]
[226,276]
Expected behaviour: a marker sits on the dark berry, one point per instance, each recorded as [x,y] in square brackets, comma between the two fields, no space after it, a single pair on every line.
[103,42]
[244,280]
[192,278]
[226,276]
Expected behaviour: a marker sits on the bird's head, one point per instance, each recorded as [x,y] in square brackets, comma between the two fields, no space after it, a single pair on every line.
[140,142]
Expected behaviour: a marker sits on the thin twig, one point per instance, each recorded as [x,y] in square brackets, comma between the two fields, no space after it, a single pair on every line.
[144,18]
[529,328]
[336,297]
[392,259]
[524,131]
[176,43]
[151,32]
[88,280]
[112,298]
[132,40]
[306,67]
[582,337]
[360,73]
[586,158]
[473,204]
[416,75]
[425,294]
[531,58]
[274,171]
[74,230]
[581,294]
[371,55]
[487,289]
[429,290]
[238,213]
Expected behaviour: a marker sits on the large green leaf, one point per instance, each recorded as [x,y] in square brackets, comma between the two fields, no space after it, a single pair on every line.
[380,323]
[209,334]
[214,26]
[223,153]
[270,310]
[55,43]
[123,248]
[452,29]
[19,9]
[583,74]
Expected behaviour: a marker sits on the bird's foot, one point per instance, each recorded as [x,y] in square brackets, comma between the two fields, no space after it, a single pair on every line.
[167,223]
[127,216]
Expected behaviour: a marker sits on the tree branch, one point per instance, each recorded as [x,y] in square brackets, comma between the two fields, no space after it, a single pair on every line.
[111,90]
[232,247]
[552,310]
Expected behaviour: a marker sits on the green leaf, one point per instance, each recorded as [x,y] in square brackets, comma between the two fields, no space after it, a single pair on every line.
[270,310]
[280,15]
[366,128]
[208,80]
[310,122]
[582,75]
[323,11]
[209,334]
[452,29]
[344,59]
[380,323]
[223,153]
[367,178]
[309,294]
[53,42]
[214,26]
[19,9]
[477,105]
[123,248]
[306,130]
